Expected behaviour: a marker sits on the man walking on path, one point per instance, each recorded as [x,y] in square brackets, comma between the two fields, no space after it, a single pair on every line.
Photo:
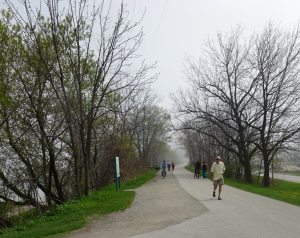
[217,171]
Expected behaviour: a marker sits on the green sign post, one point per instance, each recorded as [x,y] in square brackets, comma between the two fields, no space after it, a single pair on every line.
[117,173]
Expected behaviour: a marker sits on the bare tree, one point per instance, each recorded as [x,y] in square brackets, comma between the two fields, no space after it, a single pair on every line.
[248,91]
[276,62]
[221,96]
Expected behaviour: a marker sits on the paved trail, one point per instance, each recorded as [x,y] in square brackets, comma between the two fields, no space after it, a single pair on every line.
[158,204]
[287,177]
[183,207]
[239,214]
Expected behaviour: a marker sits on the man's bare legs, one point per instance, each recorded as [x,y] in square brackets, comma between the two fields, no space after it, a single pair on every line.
[220,189]
[215,188]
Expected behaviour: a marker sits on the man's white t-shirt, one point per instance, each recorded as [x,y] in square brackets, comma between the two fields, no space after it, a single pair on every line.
[217,170]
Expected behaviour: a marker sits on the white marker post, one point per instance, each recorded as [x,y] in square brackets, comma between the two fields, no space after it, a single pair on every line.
[117,173]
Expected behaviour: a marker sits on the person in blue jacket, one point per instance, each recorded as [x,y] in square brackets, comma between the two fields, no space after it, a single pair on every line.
[163,166]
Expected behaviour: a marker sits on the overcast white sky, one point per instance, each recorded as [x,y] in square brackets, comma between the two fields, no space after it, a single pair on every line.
[174,28]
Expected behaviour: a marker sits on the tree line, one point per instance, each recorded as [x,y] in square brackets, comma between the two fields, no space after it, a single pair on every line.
[70,101]
[243,99]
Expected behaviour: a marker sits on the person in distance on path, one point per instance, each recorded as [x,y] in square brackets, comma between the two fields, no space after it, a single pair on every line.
[169,165]
[204,169]
[164,167]
[197,169]
[217,171]
[173,165]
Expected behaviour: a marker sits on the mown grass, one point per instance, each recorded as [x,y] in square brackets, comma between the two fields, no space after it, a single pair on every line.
[76,213]
[295,172]
[282,190]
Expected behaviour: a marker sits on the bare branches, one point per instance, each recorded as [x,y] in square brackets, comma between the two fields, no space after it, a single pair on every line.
[248,90]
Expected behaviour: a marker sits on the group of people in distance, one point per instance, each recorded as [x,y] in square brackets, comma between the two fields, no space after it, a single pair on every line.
[198,169]
[217,171]
[168,164]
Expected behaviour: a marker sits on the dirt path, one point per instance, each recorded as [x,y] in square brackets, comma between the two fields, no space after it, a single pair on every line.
[158,204]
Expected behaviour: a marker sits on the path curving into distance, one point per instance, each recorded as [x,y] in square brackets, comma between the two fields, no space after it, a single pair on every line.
[183,207]
[158,204]
[238,214]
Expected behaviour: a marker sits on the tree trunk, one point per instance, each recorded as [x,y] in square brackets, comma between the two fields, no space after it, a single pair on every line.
[55,175]
[248,175]
[272,170]
[245,161]
[76,160]
[49,201]
[267,172]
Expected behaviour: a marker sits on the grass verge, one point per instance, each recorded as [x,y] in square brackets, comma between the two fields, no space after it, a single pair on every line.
[282,190]
[76,213]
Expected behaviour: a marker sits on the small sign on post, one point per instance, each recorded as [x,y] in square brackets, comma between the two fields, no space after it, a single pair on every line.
[117,173]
